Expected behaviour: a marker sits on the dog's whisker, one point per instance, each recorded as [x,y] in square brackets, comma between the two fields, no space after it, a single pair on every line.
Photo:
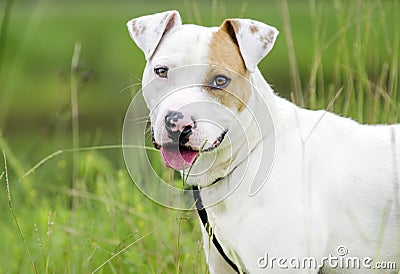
[136,77]
[129,87]
[143,119]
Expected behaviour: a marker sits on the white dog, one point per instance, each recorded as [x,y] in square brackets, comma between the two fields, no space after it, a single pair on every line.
[331,198]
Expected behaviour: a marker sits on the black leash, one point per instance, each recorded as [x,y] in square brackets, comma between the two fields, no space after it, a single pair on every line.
[204,219]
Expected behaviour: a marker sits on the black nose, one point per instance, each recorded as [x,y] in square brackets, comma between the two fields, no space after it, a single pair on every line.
[185,134]
[172,118]
[177,128]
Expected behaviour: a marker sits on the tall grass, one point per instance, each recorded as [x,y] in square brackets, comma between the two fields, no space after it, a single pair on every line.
[369,81]
[4,28]
[75,112]
[112,227]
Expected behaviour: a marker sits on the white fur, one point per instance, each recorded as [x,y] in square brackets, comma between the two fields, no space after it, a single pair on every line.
[334,182]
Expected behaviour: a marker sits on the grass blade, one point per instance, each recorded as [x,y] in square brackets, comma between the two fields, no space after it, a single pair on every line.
[33,264]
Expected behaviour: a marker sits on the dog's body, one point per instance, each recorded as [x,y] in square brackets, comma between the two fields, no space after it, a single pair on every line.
[333,181]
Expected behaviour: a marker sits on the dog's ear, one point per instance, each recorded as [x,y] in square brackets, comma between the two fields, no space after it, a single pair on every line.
[255,39]
[147,31]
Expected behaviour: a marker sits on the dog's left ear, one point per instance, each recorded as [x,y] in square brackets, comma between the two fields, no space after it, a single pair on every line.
[147,31]
[255,39]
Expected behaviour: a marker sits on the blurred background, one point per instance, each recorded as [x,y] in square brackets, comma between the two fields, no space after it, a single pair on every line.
[68,71]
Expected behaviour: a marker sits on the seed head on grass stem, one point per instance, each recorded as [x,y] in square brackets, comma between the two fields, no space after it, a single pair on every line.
[33,264]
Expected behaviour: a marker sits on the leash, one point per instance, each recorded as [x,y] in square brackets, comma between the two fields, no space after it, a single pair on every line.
[204,219]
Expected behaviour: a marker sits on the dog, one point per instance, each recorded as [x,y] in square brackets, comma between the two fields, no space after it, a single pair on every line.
[278,185]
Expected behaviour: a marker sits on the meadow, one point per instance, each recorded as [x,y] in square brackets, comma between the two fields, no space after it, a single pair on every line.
[68,71]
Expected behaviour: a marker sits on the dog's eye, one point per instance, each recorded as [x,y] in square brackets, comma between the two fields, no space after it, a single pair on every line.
[220,81]
[161,71]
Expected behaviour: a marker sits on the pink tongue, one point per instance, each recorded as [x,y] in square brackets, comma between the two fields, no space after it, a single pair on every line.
[177,159]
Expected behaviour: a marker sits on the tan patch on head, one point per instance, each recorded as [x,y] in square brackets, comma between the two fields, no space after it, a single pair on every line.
[226,60]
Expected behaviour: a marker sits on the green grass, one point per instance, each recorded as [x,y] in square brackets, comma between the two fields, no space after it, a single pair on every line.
[78,210]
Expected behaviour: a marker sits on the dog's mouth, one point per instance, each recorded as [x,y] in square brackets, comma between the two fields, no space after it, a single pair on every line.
[180,156]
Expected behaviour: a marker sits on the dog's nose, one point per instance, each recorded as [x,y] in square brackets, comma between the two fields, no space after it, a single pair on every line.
[179,127]
[171,120]
[185,134]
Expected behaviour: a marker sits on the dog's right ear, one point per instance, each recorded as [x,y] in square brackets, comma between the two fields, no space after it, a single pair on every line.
[147,31]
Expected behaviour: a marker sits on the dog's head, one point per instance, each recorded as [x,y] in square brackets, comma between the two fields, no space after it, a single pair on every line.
[197,80]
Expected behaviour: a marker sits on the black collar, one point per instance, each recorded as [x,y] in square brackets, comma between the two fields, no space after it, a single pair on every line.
[204,219]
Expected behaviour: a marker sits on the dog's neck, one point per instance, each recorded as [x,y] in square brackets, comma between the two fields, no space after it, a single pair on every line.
[256,121]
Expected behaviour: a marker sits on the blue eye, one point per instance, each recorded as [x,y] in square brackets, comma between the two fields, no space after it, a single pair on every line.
[161,71]
[220,81]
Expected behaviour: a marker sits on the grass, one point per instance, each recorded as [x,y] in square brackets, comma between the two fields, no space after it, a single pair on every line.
[340,55]
[10,204]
